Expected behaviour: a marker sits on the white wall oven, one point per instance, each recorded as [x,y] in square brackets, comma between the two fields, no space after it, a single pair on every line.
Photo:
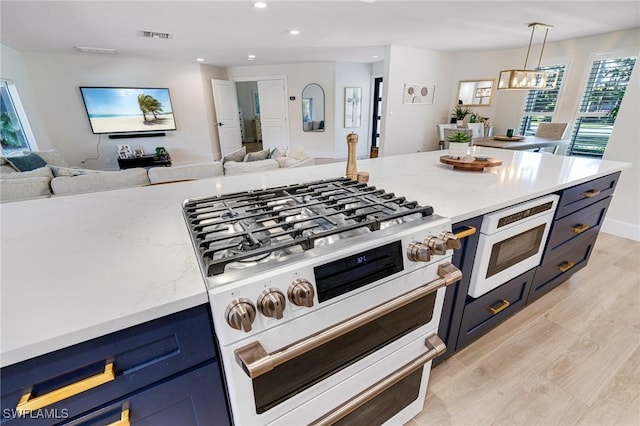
[334,320]
[511,242]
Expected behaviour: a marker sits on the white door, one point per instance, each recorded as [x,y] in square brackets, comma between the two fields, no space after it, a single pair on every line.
[273,113]
[225,102]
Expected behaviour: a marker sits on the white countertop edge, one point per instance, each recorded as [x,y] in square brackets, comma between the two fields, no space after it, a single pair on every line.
[66,340]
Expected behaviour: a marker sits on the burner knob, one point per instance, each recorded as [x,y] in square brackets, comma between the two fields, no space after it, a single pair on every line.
[418,252]
[436,244]
[451,240]
[301,293]
[271,303]
[240,314]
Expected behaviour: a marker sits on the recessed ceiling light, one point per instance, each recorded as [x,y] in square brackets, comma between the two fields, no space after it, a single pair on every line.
[375,56]
[97,50]
[260,5]
[294,32]
[251,57]
[200,59]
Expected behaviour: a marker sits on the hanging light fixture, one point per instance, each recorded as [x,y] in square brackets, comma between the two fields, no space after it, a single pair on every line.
[529,79]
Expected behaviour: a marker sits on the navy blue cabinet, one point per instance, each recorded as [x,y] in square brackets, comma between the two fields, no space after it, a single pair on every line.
[468,232]
[80,380]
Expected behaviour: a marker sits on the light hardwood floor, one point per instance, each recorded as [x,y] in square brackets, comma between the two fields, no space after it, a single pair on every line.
[570,358]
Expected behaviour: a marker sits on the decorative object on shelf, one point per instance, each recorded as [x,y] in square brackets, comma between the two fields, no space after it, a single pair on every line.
[352,106]
[529,79]
[139,153]
[459,141]
[471,163]
[418,94]
[352,168]
[124,151]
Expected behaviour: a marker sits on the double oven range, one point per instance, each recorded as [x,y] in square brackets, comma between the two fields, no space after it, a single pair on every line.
[326,299]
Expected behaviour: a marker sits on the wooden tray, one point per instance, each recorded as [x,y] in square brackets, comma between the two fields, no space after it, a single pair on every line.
[476,165]
[509,139]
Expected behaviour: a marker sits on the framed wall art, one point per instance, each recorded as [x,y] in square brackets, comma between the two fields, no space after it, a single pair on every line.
[418,94]
[352,107]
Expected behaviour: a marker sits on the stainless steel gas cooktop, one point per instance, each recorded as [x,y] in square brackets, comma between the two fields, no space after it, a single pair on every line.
[240,230]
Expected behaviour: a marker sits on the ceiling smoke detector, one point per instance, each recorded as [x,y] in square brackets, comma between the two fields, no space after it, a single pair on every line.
[97,50]
[154,34]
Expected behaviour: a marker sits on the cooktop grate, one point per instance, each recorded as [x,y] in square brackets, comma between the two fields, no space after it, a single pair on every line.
[245,228]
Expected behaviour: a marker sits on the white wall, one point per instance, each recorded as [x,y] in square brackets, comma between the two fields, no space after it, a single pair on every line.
[55,79]
[351,74]
[317,144]
[410,128]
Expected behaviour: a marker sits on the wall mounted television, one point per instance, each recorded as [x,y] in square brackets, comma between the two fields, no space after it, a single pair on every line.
[128,109]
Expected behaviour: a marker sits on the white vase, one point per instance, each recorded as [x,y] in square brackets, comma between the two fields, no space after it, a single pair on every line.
[458,149]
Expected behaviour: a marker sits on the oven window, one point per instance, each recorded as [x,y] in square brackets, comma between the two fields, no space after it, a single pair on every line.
[387,404]
[507,253]
[300,373]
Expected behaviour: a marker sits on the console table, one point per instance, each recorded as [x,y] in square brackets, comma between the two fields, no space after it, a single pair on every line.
[144,161]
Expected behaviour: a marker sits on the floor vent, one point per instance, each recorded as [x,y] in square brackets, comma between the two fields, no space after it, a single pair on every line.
[153,34]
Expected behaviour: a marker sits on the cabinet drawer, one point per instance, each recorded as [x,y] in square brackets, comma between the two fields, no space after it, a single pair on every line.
[184,400]
[580,224]
[557,269]
[580,196]
[489,310]
[138,356]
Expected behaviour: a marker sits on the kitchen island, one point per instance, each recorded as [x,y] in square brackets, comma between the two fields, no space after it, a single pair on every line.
[80,267]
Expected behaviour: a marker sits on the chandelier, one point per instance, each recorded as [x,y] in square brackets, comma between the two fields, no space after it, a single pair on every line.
[529,79]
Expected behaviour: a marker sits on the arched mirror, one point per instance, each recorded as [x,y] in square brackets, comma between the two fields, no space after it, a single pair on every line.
[475,92]
[313,108]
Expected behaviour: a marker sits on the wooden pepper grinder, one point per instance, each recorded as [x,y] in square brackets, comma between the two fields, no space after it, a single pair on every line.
[352,168]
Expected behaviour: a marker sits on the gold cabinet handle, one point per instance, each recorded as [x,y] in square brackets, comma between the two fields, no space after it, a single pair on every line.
[27,404]
[124,419]
[565,266]
[591,193]
[467,232]
[256,361]
[504,304]
[579,229]
[433,343]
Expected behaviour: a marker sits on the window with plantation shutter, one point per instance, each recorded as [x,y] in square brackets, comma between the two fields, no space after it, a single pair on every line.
[603,94]
[541,104]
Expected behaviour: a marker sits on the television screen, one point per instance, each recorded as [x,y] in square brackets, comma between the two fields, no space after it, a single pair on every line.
[128,109]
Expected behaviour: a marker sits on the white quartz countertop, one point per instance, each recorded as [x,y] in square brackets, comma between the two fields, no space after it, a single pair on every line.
[81,266]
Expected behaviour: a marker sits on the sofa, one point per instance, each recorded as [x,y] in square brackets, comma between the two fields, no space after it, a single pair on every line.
[43,174]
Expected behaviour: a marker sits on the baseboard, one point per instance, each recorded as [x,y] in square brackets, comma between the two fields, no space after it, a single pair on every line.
[621,229]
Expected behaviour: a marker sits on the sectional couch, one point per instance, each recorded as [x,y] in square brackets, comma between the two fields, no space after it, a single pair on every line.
[44,174]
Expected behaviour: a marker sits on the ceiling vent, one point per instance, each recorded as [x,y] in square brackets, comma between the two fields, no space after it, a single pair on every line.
[153,34]
[97,50]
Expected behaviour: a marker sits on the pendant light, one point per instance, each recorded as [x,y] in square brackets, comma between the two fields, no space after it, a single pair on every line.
[526,79]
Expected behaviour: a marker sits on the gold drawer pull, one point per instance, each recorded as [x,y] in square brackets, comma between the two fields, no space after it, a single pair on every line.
[124,419]
[579,229]
[27,404]
[504,304]
[565,266]
[591,193]
[467,232]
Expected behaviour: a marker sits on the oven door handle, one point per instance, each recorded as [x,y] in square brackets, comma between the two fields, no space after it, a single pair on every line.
[256,361]
[435,347]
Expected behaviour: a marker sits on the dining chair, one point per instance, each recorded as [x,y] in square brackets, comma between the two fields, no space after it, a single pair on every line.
[551,130]
[441,128]
[477,129]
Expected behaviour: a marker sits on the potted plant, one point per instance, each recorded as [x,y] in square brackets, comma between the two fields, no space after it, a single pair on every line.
[459,143]
[460,112]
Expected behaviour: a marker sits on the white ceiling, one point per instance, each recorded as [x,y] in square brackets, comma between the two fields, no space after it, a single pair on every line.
[225,32]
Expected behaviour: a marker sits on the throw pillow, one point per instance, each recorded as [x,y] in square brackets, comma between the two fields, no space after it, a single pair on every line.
[26,163]
[277,153]
[51,156]
[236,155]
[256,156]
[299,153]
[286,161]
